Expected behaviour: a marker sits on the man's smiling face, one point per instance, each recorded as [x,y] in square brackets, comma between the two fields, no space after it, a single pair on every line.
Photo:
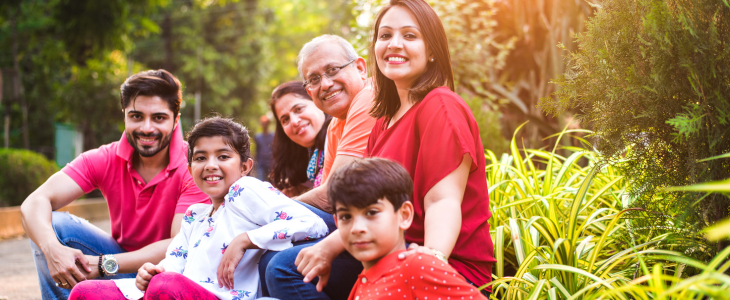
[148,125]
[334,96]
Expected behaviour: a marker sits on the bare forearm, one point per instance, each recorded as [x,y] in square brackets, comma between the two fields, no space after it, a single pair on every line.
[58,191]
[317,197]
[442,225]
[36,218]
[333,243]
[130,262]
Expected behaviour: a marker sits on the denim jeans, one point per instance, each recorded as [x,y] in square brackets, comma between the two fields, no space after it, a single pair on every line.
[76,233]
[280,278]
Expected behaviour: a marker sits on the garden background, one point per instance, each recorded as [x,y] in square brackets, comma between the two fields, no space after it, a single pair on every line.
[596,113]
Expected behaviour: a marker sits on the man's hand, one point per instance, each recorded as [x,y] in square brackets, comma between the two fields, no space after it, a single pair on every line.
[315,261]
[145,274]
[62,262]
[231,257]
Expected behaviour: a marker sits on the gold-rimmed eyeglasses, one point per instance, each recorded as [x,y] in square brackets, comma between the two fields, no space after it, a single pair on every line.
[313,82]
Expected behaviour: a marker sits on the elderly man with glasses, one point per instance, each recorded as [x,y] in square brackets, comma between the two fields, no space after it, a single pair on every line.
[336,79]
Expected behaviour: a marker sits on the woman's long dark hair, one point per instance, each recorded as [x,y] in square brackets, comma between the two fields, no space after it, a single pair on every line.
[291,159]
[438,73]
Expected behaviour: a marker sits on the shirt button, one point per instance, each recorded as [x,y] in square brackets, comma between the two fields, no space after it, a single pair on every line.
[139,182]
[357,298]
[364,280]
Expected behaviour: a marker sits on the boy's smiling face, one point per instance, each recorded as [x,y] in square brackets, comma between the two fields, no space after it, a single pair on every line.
[375,231]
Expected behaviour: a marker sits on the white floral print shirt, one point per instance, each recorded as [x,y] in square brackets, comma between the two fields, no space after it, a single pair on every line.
[272,221]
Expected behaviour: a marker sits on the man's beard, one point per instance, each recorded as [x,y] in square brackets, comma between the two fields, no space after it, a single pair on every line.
[148,151]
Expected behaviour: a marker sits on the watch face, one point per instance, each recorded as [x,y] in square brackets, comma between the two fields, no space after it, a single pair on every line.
[110,266]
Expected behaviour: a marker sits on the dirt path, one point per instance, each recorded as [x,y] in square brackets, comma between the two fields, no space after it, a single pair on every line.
[18,278]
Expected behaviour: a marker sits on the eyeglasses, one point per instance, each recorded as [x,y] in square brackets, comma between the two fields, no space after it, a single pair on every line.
[314,81]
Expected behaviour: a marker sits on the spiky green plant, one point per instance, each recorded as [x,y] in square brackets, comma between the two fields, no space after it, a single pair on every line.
[558,221]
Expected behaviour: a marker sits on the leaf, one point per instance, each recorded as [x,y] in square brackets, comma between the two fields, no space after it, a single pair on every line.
[715,186]
[715,157]
[720,230]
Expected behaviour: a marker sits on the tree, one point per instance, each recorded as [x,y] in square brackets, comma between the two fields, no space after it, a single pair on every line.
[46,44]
[651,77]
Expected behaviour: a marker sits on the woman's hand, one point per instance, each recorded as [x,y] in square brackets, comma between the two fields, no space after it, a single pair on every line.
[316,261]
[145,274]
[232,255]
[62,265]
[414,248]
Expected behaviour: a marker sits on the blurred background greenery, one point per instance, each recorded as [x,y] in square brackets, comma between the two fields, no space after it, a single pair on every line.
[639,89]
[62,61]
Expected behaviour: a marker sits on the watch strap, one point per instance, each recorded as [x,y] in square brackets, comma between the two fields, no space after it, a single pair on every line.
[101,270]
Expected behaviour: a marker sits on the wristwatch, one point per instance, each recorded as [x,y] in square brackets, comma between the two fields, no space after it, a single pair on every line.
[110,265]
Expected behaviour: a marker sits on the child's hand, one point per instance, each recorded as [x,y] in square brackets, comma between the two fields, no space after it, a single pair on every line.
[316,261]
[232,255]
[145,273]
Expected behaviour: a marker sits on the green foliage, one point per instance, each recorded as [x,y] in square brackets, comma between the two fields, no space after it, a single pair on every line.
[21,172]
[488,118]
[68,67]
[651,77]
[564,231]
[89,28]
[231,52]
[557,226]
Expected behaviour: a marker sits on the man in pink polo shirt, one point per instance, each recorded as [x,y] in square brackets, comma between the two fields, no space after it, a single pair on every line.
[145,181]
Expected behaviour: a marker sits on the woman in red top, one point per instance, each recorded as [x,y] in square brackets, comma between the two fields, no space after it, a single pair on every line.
[430,130]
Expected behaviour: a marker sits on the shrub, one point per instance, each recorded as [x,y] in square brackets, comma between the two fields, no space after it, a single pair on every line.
[651,76]
[21,172]
[564,231]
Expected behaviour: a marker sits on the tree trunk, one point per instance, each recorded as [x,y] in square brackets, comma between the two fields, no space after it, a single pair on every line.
[18,92]
[167,37]
[6,117]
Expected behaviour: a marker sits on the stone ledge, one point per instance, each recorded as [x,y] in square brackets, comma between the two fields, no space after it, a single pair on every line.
[90,209]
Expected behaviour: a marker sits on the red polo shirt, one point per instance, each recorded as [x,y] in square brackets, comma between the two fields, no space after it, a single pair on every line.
[141,213]
[419,276]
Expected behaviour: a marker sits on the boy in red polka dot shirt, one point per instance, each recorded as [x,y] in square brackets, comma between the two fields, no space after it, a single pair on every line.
[372,211]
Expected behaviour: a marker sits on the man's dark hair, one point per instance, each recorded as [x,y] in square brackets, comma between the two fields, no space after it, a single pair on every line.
[150,83]
[364,181]
[233,134]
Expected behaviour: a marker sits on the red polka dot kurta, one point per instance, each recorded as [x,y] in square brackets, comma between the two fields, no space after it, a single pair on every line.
[419,276]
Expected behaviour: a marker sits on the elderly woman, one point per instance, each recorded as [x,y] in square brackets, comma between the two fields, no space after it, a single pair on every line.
[298,146]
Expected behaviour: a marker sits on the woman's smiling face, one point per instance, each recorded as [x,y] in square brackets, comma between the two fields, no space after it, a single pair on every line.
[300,118]
[400,49]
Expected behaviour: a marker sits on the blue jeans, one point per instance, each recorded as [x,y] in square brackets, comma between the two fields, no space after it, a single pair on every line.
[76,233]
[280,278]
